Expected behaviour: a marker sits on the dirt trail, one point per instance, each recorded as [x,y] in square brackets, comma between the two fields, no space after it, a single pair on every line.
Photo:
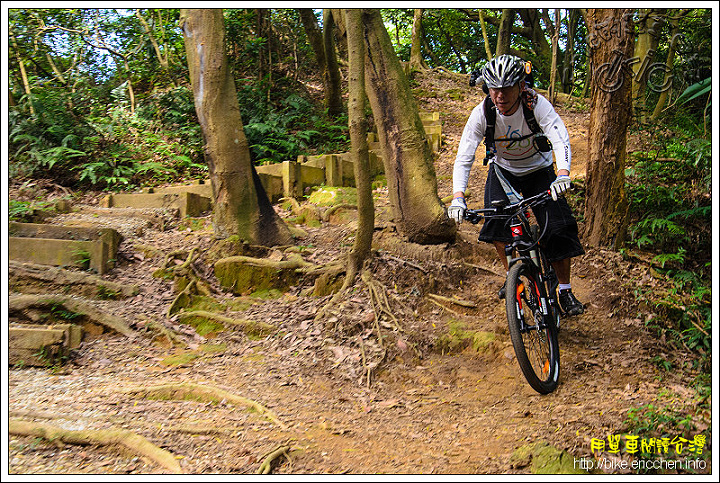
[427,410]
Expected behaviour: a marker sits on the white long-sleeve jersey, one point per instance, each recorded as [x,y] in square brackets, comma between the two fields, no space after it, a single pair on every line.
[518,157]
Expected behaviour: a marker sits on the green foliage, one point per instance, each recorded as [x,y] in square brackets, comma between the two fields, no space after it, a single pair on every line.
[673,416]
[24,211]
[669,187]
[288,127]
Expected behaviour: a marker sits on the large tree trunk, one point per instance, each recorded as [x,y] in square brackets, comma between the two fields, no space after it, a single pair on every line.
[505,31]
[241,205]
[408,159]
[333,94]
[416,59]
[358,138]
[606,204]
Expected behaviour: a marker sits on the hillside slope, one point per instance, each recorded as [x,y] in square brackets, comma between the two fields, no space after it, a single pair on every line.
[433,403]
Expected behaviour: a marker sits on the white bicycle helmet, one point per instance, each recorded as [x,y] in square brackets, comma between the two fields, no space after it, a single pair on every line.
[503,71]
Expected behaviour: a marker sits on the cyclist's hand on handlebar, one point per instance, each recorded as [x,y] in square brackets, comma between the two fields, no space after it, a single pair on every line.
[559,186]
[457,209]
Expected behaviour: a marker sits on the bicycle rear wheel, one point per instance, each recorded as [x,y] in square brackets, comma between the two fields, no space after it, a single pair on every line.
[535,342]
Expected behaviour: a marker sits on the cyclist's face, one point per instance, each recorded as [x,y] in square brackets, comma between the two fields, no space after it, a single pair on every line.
[506,99]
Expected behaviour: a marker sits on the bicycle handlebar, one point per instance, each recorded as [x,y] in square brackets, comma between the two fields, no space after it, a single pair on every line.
[506,211]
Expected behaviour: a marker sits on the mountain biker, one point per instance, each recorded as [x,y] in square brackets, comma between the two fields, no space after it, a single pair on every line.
[524,163]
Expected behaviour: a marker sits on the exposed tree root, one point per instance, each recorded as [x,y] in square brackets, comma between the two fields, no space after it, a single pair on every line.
[269,458]
[132,441]
[380,303]
[410,264]
[160,332]
[307,213]
[202,393]
[444,307]
[185,272]
[34,278]
[22,303]
[464,303]
[250,327]
[481,268]
[330,211]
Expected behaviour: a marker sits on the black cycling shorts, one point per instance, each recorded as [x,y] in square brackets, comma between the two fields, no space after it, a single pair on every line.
[560,240]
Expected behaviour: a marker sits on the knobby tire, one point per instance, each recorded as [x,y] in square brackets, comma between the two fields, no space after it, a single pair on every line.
[536,349]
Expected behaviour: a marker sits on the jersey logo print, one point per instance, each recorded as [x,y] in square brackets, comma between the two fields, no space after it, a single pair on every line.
[514,145]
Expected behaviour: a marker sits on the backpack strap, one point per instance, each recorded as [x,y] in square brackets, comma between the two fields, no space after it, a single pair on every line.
[530,119]
[490,117]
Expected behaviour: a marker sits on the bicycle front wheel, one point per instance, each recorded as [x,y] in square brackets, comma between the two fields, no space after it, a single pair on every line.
[535,342]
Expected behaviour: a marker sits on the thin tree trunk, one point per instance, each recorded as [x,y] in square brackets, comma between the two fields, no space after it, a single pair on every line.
[333,94]
[408,160]
[553,65]
[486,42]
[314,35]
[606,205]
[568,68]
[23,73]
[667,81]
[163,59]
[358,138]
[241,205]
[416,60]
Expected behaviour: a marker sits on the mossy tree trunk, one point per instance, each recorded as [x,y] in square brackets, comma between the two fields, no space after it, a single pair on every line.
[407,157]
[606,205]
[241,205]
[505,31]
[358,137]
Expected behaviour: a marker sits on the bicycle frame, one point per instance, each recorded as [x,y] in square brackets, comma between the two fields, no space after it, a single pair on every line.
[525,244]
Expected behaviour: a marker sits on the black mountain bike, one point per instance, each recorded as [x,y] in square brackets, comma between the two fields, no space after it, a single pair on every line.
[531,303]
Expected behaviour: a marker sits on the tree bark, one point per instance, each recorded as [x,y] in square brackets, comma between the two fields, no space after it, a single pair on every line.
[486,42]
[408,160]
[504,32]
[333,94]
[606,205]
[568,68]
[416,59]
[314,35]
[23,73]
[667,81]
[553,65]
[645,46]
[358,138]
[241,205]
